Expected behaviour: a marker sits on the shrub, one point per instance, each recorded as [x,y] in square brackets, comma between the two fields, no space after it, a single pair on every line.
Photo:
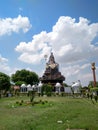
[46,90]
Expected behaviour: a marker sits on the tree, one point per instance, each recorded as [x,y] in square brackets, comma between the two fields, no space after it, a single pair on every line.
[4,82]
[19,83]
[65,85]
[25,76]
[91,84]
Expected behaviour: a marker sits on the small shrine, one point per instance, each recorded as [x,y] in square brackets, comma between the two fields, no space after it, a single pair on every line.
[52,74]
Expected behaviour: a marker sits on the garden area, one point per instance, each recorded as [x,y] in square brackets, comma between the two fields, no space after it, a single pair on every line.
[48,113]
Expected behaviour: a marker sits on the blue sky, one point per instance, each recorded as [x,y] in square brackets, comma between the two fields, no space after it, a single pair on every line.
[32,28]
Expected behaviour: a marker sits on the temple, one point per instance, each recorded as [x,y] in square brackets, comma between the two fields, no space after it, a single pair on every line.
[52,74]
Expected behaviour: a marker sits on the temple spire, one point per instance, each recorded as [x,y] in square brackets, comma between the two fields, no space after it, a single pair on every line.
[51,59]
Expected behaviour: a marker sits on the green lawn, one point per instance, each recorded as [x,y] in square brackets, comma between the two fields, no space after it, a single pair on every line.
[56,113]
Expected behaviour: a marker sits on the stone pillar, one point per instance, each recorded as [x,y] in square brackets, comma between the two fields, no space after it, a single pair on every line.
[94,75]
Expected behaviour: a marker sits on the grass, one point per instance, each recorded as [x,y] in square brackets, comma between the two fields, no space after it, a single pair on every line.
[56,113]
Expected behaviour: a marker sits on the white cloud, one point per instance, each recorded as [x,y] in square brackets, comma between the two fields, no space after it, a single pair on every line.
[78,36]
[34,51]
[9,25]
[77,72]
[2,59]
[4,65]
[71,43]
[85,66]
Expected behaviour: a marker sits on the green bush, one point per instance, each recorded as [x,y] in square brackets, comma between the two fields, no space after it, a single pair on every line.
[32,95]
[94,89]
[46,90]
